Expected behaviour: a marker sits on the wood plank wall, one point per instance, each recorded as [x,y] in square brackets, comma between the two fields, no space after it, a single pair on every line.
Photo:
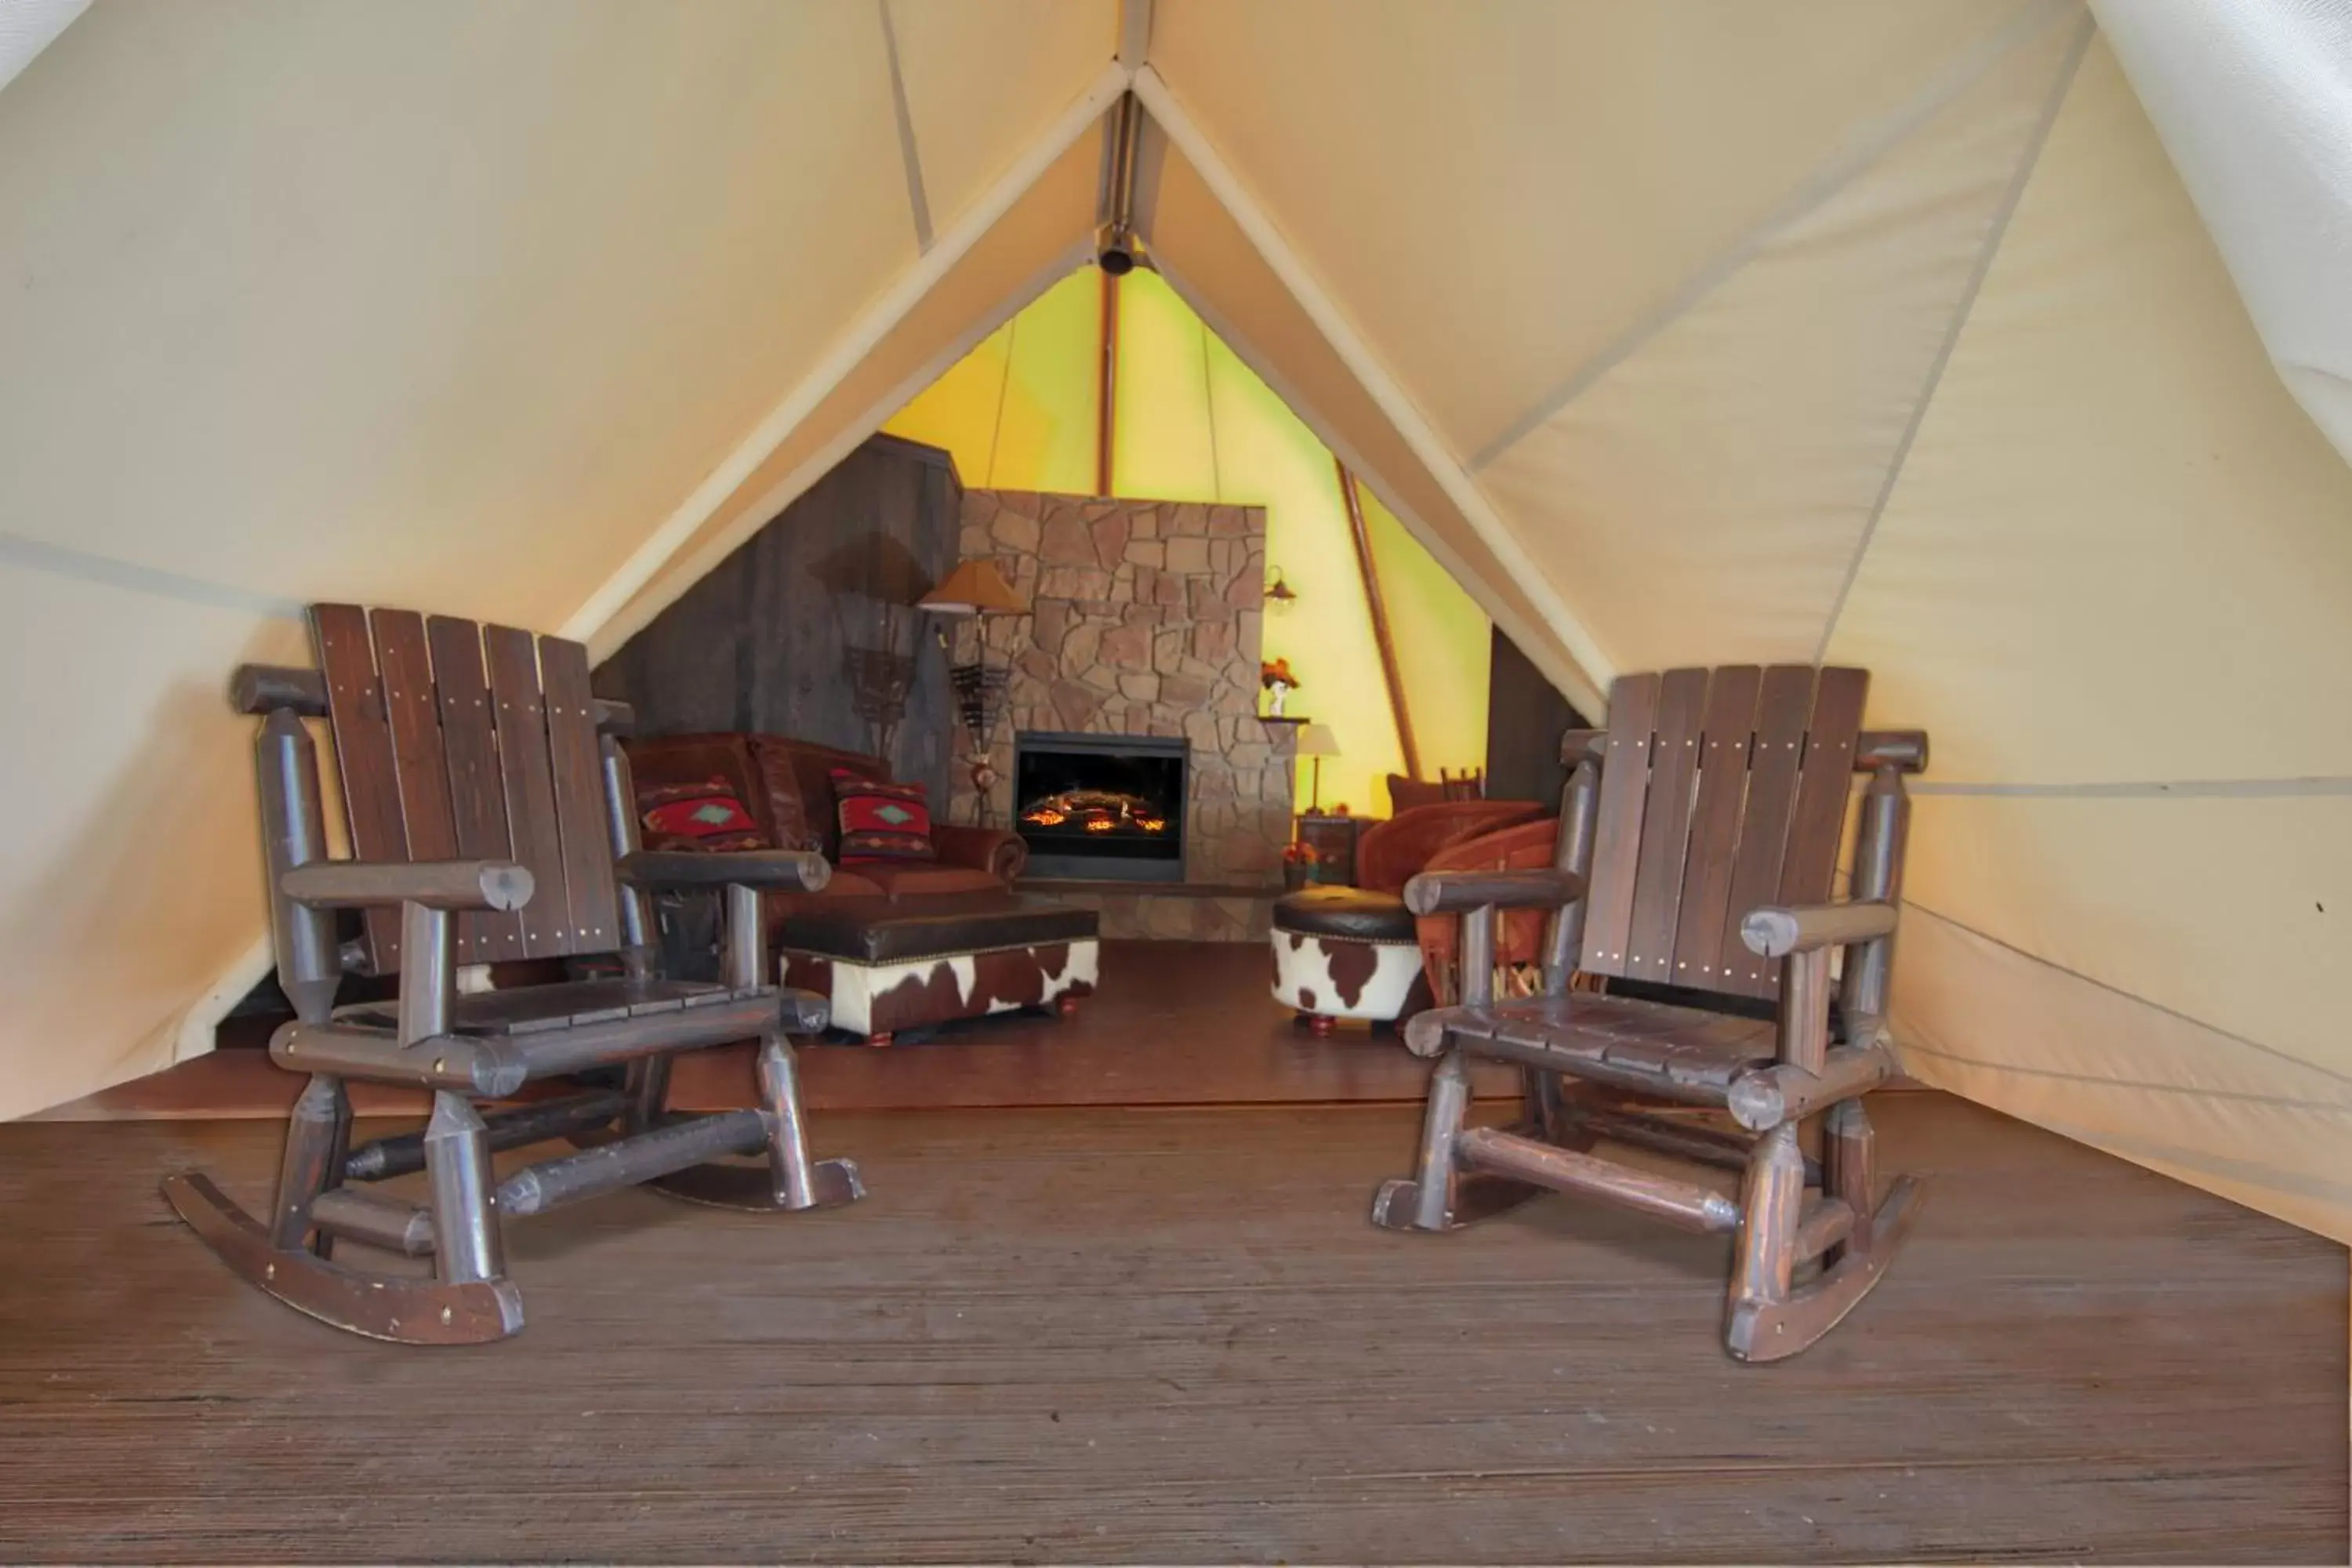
[1525,717]
[757,644]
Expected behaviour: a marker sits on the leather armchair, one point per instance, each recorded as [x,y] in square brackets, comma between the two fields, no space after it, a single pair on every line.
[1391,853]
[1526,845]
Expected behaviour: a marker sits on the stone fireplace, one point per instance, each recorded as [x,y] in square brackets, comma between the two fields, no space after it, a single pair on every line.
[1147,622]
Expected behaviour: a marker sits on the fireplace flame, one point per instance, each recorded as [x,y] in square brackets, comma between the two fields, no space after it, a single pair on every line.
[1095,811]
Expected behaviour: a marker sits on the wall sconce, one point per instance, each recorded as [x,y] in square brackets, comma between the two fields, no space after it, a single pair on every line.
[1279,594]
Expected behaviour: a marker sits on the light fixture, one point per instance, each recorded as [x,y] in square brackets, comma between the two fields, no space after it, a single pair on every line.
[1279,594]
[1317,742]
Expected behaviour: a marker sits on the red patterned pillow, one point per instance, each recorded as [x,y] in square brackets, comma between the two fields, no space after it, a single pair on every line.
[882,821]
[705,815]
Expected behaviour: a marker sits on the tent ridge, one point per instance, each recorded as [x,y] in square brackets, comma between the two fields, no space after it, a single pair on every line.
[1995,232]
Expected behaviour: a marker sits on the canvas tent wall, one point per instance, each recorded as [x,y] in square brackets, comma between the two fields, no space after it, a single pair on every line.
[1680,334]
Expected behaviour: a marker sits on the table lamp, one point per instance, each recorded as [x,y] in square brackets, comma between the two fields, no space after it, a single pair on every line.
[1317,741]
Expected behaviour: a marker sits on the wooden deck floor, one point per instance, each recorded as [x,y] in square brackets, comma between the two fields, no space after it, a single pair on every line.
[1169,1335]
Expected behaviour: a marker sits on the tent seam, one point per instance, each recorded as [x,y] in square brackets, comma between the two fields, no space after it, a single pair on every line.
[2028,159]
[2180,789]
[2282,1102]
[1481,591]
[918,201]
[1568,630]
[1824,183]
[108,571]
[1004,395]
[2174,1013]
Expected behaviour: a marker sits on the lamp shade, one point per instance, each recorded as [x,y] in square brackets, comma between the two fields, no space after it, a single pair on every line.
[974,588]
[1317,741]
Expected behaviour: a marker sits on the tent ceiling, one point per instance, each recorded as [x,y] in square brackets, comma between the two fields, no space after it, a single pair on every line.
[1684,333]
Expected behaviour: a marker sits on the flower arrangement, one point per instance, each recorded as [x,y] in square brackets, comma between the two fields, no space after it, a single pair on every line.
[1298,863]
[1275,676]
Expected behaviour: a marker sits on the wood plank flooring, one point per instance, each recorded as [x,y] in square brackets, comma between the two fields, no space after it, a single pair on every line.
[1170,1336]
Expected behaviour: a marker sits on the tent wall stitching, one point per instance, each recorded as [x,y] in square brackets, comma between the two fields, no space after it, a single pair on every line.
[1849,164]
[1994,234]
[917,201]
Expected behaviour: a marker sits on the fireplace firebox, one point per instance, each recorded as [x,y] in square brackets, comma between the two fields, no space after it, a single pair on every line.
[1104,806]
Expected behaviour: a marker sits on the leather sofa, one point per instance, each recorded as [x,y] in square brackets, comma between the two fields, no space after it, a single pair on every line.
[786,786]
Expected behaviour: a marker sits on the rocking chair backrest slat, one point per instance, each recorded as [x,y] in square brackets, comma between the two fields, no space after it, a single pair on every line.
[1720,791]
[1617,842]
[1726,733]
[1665,824]
[578,765]
[446,747]
[478,802]
[1783,709]
[363,756]
[530,793]
[1809,873]
[420,767]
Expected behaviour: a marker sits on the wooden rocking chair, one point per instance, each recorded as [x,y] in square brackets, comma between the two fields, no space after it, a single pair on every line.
[489,821]
[1699,842]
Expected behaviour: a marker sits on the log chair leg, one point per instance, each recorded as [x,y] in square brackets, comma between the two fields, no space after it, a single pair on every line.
[1849,1171]
[469,1301]
[648,1090]
[800,1183]
[467,1247]
[1544,1107]
[1764,1258]
[1761,1328]
[318,1137]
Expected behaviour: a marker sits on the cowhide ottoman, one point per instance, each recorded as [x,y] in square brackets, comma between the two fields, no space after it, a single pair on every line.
[892,965]
[1342,953]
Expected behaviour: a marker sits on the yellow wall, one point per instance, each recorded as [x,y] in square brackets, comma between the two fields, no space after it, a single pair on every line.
[1018,412]
[1444,645]
[1195,424]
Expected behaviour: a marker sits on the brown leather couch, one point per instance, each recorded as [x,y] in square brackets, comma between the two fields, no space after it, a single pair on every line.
[786,786]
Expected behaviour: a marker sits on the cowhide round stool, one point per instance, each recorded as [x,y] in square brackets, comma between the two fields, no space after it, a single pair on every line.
[1343,953]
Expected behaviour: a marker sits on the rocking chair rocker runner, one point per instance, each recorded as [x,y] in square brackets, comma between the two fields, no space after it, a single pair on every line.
[489,820]
[1699,841]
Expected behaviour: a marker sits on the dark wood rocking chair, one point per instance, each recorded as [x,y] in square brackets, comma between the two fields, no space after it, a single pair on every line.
[1698,844]
[489,821]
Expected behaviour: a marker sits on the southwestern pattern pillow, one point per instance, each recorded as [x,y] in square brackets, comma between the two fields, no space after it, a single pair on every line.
[705,815]
[882,821]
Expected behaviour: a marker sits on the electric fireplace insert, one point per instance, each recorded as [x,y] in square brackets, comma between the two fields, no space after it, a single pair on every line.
[1104,806]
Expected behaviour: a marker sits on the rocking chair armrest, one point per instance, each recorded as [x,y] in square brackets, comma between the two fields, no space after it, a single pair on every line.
[1777,931]
[803,869]
[433,884]
[1444,892]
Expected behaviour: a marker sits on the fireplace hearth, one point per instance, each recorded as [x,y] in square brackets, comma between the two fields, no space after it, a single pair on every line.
[1104,806]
